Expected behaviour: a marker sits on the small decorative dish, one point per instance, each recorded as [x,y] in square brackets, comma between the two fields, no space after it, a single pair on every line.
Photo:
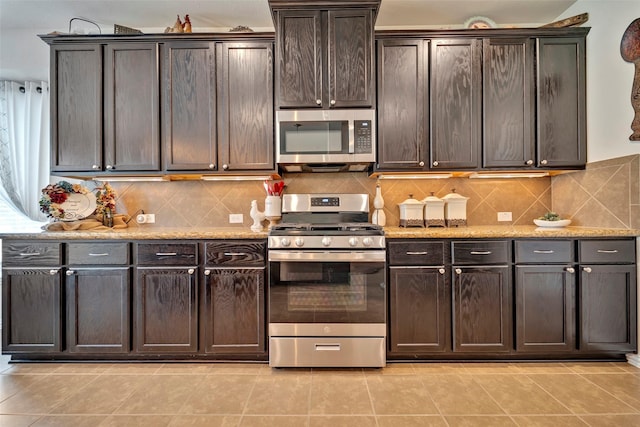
[552,224]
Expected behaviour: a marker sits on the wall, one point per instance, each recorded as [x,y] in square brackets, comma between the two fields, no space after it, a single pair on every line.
[609,78]
[208,204]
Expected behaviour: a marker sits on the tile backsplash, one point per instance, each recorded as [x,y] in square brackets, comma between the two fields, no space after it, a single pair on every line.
[606,194]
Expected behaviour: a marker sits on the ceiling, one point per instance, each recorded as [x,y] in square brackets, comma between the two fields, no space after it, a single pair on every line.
[216,15]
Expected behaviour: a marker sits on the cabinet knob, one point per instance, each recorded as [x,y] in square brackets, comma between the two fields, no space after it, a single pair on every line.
[571,270]
[529,162]
[543,162]
[207,272]
[212,166]
[109,167]
[333,102]
[458,271]
[53,272]
[225,167]
[70,273]
[95,167]
[191,271]
[421,164]
[441,270]
[319,101]
[586,269]
[435,163]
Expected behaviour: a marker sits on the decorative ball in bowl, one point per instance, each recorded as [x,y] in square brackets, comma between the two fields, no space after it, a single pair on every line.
[552,224]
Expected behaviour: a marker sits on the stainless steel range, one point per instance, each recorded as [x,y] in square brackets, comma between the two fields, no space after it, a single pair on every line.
[327,296]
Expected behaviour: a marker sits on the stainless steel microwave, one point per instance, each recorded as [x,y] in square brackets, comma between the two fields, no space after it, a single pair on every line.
[325,139]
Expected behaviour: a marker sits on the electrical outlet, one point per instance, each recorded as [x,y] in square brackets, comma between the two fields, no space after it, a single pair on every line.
[505,216]
[236,218]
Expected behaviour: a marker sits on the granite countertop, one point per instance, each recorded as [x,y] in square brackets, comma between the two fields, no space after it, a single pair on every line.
[173,233]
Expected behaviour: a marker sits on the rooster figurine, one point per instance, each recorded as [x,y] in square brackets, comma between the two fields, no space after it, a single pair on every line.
[187,24]
[256,216]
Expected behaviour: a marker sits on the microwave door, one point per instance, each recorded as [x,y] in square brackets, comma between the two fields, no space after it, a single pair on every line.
[314,137]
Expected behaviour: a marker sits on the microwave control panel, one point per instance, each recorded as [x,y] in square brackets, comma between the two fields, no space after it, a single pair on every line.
[362,135]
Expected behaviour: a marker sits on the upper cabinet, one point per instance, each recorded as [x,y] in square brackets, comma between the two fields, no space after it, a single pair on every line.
[152,105]
[481,100]
[324,53]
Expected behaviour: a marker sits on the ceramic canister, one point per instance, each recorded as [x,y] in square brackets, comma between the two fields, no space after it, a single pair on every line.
[455,210]
[411,213]
[433,211]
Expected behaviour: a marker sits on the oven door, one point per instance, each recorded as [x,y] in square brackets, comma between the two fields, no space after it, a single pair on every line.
[333,290]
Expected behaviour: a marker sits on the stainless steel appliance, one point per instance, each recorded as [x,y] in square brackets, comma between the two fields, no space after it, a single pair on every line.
[327,294]
[325,140]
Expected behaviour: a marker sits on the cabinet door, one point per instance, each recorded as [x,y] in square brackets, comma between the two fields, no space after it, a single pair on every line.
[131,120]
[482,309]
[350,63]
[31,315]
[299,71]
[189,105]
[545,306]
[402,104]
[97,303]
[245,112]
[562,126]
[508,97]
[76,107]
[234,311]
[456,91]
[166,310]
[608,307]
[419,310]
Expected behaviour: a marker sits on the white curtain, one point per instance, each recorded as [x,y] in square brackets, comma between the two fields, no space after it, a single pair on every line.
[24,145]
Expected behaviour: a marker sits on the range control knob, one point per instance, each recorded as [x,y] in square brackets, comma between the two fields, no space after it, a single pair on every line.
[326,241]
[353,241]
[285,242]
[299,242]
[367,241]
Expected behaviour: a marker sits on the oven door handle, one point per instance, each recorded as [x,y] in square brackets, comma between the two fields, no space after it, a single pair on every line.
[324,256]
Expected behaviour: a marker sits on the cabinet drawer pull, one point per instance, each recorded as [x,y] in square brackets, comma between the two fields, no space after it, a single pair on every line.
[480,252]
[458,271]
[166,254]
[571,270]
[235,253]
[587,269]
[543,251]
[31,254]
[70,272]
[417,253]
[54,272]
[100,254]
[607,251]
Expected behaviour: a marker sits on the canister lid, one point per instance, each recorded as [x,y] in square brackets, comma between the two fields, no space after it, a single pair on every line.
[453,196]
[432,199]
[411,201]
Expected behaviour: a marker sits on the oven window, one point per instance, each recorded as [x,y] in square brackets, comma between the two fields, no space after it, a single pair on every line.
[313,137]
[327,292]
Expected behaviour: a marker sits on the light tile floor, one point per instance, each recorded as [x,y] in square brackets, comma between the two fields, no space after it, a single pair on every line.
[410,394]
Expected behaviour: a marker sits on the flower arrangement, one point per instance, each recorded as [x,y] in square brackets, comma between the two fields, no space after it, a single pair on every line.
[105,199]
[54,195]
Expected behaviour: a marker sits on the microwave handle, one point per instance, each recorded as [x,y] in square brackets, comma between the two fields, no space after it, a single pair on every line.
[352,139]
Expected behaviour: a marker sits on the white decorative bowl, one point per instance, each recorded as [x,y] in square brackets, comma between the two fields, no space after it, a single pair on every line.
[552,224]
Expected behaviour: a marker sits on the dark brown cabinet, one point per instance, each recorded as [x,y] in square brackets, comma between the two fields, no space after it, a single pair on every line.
[324,57]
[98,286]
[189,105]
[166,298]
[31,297]
[233,317]
[561,102]
[403,106]
[456,103]
[245,106]
[76,107]
[545,295]
[419,299]
[482,296]
[607,296]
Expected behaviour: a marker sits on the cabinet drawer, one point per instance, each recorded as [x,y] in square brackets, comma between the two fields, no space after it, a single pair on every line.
[416,253]
[544,251]
[481,252]
[236,253]
[607,251]
[98,253]
[167,253]
[31,253]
